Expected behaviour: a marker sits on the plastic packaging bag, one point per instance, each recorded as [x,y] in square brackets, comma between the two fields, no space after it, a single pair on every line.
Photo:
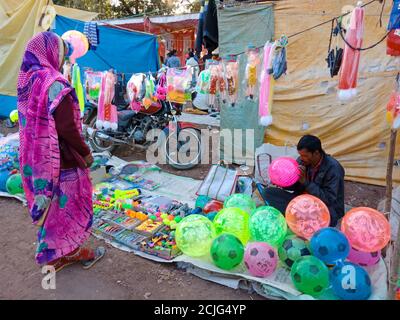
[178,85]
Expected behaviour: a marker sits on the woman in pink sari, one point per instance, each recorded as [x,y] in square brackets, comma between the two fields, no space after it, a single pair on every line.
[54,158]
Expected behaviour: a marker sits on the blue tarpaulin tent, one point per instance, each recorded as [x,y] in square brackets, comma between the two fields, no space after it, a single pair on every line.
[124,51]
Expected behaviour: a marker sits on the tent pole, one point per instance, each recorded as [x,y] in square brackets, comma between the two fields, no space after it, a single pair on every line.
[395,267]
[395,258]
[389,172]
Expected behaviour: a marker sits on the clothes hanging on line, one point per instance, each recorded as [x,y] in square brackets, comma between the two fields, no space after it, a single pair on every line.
[91,31]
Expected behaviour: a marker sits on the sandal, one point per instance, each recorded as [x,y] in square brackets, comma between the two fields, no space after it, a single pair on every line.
[61,263]
[99,253]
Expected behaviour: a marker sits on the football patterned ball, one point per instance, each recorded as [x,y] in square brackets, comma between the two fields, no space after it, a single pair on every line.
[260,259]
[292,249]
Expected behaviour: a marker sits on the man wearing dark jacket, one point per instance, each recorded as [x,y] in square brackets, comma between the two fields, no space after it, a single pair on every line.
[322,176]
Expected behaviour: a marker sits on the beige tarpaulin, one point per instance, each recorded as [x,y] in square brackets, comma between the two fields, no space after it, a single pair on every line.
[305,100]
[19,21]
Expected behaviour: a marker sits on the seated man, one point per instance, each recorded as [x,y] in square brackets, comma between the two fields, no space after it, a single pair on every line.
[322,176]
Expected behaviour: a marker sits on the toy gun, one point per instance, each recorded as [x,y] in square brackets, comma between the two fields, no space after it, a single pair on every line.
[126,194]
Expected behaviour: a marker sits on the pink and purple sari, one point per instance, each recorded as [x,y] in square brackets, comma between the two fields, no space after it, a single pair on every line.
[62,197]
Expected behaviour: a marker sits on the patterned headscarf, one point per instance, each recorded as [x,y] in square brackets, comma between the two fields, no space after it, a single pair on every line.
[39,147]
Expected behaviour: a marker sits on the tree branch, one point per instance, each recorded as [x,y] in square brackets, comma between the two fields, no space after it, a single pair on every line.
[126,7]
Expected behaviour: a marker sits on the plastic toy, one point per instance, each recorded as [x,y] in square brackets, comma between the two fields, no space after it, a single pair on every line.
[162,245]
[4,175]
[267,85]
[178,84]
[310,275]
[79,43]
[330,246]
[234,221]
[107,117]
[364,259]
[148,227]
[92,85]
[292,249]
[227,251]
[232,79]
[252,70]
[367,229]
[307,214]
[284,172]
[350,282]
[126,194]
[213,206]
[14,184]
[260,259]
[14,116]
[241,201]
[268,225]
[194,235]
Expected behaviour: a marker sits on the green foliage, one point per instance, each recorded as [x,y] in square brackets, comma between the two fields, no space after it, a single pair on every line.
[126,8]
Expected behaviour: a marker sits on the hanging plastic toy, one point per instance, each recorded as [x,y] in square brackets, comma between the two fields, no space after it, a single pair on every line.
[351,58]
[107,116]
[203,90]
[135,90]
[93,84]
[149,95]
[77,85]
[161,91]
[253,62]
[217,83]
[393,106]
[267,86]
[178,84]
[79,43]
[232,79]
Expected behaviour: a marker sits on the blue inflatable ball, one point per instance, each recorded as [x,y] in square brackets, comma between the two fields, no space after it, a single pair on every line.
[211,215]
[330,245]
[4,175]
[350,282]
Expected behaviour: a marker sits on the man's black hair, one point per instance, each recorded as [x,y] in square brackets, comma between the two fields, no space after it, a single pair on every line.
[311,144]
[191,54]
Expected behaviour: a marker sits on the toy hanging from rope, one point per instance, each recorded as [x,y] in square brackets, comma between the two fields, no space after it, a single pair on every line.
[267,85]
[107,117]
[253,61]
[351,59]
[232,78]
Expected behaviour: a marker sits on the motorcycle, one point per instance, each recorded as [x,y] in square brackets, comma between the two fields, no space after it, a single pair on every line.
[135,127]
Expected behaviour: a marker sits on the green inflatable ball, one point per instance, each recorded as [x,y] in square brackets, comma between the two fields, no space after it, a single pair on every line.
[310,275]
[268,225]
[194,235]
[201,201]
[14,184]
[234,221]
[227,251]
[292,249]
[241,201]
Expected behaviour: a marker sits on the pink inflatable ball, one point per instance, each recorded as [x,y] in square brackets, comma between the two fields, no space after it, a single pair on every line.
[284,172]
[260,259]
[79,42]
[364,259]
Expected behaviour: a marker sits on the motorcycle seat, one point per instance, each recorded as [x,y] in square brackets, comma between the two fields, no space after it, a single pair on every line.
[125,115]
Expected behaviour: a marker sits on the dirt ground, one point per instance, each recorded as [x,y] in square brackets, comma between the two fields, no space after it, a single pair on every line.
[119,275]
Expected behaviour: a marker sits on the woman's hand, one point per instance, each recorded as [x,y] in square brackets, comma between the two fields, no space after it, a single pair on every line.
[89,160]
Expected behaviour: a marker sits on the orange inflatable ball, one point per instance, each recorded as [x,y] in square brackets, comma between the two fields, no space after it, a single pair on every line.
[367,229]
[307,214]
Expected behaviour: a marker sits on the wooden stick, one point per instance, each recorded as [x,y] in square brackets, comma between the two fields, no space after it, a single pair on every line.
[394,267]
[389,172]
